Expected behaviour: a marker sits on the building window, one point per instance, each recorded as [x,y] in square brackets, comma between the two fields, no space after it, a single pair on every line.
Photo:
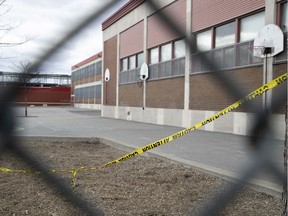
[172,56]
[98,91]
[124,64]
[228,57]
[179,49]
[92,70]
[99,68]
[251,25]
[284,17]
[203,41]
[225,35]
[154,55]
[219,45]
[132,62]
[166,52]
[140,60]
[130,73]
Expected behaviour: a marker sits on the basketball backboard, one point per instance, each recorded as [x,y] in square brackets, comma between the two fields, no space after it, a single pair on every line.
[144,71]
[107,75]
[271,39]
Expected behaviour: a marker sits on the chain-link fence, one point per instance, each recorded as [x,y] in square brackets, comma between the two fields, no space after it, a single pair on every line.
[261,136]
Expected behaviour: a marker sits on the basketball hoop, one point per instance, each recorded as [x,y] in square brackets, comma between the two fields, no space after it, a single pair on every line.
[271,38]
[256,51]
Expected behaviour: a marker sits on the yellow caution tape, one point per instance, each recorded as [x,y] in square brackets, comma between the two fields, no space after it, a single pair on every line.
[5,170]
[185,131]
[167,139]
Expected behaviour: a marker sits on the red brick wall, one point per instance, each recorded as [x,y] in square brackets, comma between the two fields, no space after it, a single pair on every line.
[44,95]
[166,93]
[207,93]
[131,95]
[110,61]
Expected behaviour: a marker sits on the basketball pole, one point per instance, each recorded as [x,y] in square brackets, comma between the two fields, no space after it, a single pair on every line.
[270,18]
[144,94]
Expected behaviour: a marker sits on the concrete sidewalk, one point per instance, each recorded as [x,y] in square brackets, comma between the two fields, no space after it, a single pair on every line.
[220,154]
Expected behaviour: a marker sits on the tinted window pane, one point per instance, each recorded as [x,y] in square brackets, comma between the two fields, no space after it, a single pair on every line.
[217,58]
[243,54]
[203,41]
[179,49]
[228,60]
[284,17]
[132,62]
[98,67]
[166,52]
[154,56]
[98,91]
[225,35]
[250,26]
[140,59]
[124,64]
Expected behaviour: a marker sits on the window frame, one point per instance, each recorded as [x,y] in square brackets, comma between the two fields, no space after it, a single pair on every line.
[134,66]
[221,41]
[211,40]
[158,55]
[137,59]
[122,64]
[239,27]
[170,50]
[281,16]
[215,51]
[174,49]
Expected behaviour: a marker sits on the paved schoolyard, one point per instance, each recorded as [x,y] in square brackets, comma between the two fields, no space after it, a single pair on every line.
[217,153]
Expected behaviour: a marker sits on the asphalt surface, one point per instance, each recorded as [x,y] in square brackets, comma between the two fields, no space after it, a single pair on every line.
[224,155]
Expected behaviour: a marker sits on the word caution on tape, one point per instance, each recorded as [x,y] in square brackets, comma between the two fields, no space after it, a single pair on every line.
[268,86]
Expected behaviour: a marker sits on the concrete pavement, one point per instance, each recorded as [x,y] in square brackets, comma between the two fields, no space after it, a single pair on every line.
[220,154]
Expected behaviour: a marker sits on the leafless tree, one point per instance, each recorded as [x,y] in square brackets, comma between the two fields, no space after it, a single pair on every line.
[27,78]
[5,28]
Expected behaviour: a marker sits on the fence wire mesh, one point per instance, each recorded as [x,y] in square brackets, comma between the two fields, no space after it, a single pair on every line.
[261,135]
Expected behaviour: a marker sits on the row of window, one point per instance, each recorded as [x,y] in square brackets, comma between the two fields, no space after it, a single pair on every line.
[88,71]
[167,52]
[158,54]
[237,31]
[132,62]
[130,76]
[175,67]
[226,35]
[88,92]
[229,57]
[225,57]
[228,46]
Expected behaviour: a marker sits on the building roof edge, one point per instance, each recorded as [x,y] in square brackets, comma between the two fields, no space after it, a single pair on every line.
[125,9]
[91,58]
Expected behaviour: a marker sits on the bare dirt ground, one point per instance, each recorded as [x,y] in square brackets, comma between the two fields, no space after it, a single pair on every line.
[144,185]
